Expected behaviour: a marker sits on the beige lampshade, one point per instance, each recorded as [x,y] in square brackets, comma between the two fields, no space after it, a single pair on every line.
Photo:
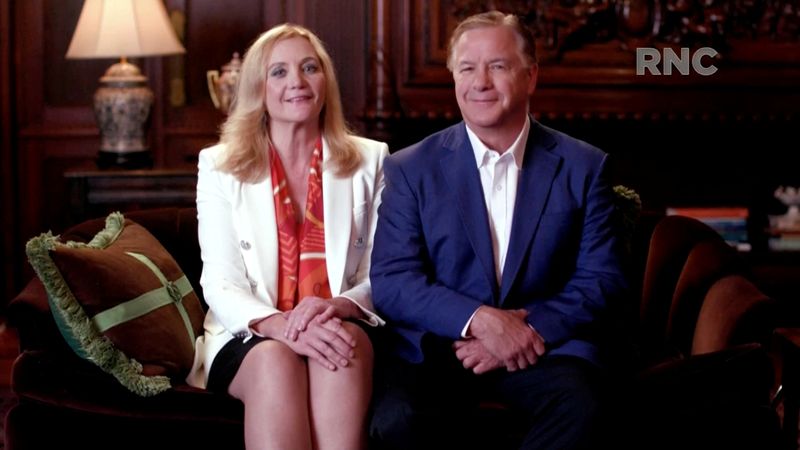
[123,28]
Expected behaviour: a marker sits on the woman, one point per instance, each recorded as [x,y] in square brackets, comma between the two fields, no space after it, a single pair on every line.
[287,206]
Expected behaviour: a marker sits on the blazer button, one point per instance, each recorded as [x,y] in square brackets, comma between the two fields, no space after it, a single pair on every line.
[244,244]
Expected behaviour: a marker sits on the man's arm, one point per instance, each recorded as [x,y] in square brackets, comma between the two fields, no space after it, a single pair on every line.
[403,283]
[598,277]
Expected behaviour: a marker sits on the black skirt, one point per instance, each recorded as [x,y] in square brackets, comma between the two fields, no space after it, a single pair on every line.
[227,362]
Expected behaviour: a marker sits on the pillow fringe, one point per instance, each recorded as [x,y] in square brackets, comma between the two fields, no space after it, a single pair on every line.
[115,222]
[99,349]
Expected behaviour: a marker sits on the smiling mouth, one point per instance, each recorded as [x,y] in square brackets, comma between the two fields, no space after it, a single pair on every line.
[298,99]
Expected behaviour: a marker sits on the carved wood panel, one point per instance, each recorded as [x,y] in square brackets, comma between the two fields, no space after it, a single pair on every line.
[587,53]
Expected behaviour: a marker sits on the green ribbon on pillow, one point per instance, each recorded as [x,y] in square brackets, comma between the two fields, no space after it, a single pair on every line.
[171,292]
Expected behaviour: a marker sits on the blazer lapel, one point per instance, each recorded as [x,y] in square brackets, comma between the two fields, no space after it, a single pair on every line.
[260,231]
[461,173]
[539,168]
[337,198]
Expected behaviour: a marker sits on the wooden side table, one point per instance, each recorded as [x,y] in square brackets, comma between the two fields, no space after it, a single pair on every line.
[96,193]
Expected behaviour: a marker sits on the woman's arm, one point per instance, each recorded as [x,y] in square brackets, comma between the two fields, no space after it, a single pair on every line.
[226,287]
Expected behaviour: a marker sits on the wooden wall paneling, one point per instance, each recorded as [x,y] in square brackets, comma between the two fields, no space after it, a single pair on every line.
[380,103]
[28,66]
[274,12]
[342,26]
[211,32]
[28,56]
[425,83]
[295,11]
[53,103]
[398,109]
[67,83]
[181,149]
[8,214]
[151,68]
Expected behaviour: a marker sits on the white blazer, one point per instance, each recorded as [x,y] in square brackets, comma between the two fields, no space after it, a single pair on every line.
[239,245]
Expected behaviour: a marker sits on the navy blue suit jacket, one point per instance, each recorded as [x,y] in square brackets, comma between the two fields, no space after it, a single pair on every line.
[432,261]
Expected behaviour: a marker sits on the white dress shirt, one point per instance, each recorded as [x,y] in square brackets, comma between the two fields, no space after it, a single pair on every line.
[499,177]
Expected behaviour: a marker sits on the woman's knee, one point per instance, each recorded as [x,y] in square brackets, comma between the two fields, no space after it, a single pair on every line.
[363,346]
[267,364]
[273,355]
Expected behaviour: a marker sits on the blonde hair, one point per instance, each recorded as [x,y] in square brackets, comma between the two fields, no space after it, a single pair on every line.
[245,132]
[526,42]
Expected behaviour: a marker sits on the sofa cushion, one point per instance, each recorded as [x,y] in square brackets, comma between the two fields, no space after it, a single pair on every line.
[86,408]
[122,302]
[65,381]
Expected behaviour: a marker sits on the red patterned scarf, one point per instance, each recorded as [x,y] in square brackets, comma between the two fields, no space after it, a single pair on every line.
[302,271]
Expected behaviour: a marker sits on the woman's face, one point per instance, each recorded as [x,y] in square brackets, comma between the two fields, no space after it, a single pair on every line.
[295,87]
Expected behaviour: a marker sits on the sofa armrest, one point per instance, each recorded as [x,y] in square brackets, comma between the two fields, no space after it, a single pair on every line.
[788,340]
[734,312]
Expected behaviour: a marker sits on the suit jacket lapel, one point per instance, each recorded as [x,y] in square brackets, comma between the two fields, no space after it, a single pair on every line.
[461,173]
[337,197]
[259,231]
[539,168]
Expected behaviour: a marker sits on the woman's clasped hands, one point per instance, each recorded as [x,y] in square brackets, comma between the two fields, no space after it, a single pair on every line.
[314,328]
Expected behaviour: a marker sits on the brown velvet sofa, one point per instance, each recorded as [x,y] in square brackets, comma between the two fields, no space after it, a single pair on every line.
[66,402]
[703,371]
[694,371]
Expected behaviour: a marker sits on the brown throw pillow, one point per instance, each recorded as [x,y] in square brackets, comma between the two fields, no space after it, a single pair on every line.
[122,302]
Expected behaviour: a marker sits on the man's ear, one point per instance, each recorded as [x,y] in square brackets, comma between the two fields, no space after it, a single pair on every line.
[533,72]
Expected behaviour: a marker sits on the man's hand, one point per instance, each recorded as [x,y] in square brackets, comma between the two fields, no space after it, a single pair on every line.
[507,336]
[474,356]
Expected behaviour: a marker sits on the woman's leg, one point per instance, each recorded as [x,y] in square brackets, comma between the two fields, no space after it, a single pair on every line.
[272,382]
[339,399]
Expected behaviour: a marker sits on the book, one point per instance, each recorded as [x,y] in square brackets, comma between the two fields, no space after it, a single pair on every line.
[713,212]
[729,221]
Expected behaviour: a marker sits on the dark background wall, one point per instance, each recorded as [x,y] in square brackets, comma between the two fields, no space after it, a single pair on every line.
[725,139]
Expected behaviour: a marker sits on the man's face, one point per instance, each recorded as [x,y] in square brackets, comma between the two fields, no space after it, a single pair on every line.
[493,86]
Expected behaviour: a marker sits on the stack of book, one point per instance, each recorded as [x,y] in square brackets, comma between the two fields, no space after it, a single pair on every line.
[729,222]
[784,232]
[784,240]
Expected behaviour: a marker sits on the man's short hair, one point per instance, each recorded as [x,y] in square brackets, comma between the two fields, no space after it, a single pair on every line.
[525,39]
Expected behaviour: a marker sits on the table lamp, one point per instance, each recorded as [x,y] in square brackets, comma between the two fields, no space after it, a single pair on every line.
[122,29]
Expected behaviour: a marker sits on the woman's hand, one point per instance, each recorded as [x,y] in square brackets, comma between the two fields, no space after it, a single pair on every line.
[328,343]
[315,308]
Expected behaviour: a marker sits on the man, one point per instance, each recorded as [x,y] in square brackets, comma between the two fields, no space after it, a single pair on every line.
[494,259]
